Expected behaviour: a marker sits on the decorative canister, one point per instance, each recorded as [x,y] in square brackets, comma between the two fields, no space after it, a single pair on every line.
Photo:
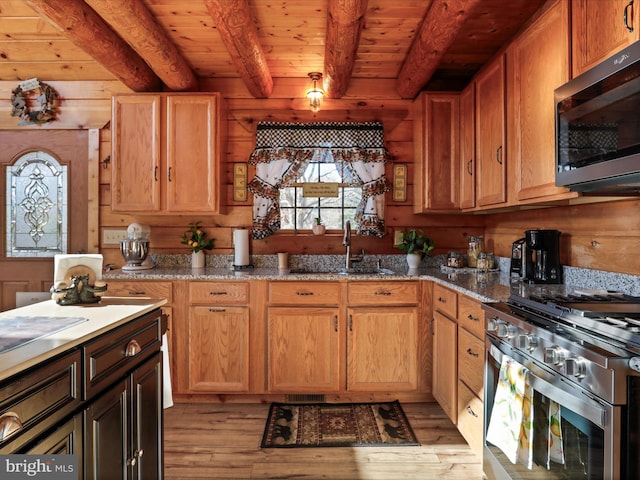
[485,261]
[476,245]
[455,260]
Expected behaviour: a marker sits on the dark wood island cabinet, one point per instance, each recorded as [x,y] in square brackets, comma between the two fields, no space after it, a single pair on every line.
[99,399]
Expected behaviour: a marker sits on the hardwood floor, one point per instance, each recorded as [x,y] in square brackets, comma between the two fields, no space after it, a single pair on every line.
[222,441]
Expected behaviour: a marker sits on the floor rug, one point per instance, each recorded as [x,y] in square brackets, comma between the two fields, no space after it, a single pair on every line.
[337,425]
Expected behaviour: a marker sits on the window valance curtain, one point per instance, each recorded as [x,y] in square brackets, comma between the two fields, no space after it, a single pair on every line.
[284,149]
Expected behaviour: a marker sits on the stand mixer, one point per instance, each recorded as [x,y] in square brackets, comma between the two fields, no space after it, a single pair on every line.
[135,248]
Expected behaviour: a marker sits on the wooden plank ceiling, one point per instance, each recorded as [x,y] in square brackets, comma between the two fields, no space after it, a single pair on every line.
[153,45]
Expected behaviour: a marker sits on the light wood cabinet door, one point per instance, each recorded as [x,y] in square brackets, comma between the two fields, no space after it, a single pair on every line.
[491,135]
[468,147]
[538,63]
[382,352]
[305,349]
[218,346]
[166,151]
[193,165]
[445,369]
[436,143]
[599,28]
[136,153]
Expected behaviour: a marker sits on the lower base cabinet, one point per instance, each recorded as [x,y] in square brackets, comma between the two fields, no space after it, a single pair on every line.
[123,438]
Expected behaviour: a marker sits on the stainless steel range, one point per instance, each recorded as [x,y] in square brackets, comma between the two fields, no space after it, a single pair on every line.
[581,349]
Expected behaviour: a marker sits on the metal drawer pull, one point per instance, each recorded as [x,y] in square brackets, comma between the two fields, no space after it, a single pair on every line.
[335,322]
[442,300]
[470,352]
[9,424]
[471,317]
[223,292]
[217,310]
[303,293]
[133,348]
[134,292]
[386,293]
[471,412]
[626,16]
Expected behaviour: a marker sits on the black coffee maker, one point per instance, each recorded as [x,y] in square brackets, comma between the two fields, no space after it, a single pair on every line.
[541,261]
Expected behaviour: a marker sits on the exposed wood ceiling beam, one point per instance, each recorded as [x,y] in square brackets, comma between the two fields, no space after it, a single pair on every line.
[135,24]
[240,35]
[345,19]
[438,31]
[85,29]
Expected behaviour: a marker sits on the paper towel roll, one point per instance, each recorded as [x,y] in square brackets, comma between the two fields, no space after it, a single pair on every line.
[241,245]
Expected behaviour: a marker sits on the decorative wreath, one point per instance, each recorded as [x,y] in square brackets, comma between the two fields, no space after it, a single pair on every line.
[45,111]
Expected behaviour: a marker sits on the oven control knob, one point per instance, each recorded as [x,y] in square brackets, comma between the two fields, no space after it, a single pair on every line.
[554,355]
[527,342]
[634,363]
[506,330]
[574,367]
[492,323]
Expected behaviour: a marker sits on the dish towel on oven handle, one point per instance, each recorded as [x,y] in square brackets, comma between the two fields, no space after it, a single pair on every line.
[548,438]
[511,424]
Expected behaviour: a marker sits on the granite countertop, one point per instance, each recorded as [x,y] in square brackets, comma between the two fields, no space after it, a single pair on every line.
[94,319]
[483,286]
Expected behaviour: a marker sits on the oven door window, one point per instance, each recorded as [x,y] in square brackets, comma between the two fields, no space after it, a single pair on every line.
[582,441]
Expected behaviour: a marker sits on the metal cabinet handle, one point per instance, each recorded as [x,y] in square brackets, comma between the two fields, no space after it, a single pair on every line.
[10,423]
[628,8]
[472,353]
[471,412]
[442,300]
[385,293]
[351,323]
[471,317]
[134,292]
[335,322]
[499,155]
[133,348]
[155,173]
[304,293]
[217,310]
[169,174]
[469,163]
[223,292]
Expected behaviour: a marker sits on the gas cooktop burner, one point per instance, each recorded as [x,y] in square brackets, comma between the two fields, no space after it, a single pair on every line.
[611,315]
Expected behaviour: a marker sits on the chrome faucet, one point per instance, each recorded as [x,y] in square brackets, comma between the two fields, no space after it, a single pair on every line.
[346,242]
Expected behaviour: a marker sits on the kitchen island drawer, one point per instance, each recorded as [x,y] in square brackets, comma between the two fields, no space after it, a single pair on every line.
[304,293]
[383,293]
[445,301]
[220,293]
[471,316]
[35,401]
[118,288]
[112,354]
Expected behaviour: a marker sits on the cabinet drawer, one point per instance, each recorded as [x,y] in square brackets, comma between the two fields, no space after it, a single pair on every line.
[471,361]
[471,315]
[140,289]
[470,418]
[383,293]
[219,293]
[39,399]
[114,353]
[445,301]
[304,293]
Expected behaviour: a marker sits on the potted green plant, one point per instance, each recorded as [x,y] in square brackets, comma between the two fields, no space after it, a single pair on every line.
[416,245]
[318,228]
[196,239]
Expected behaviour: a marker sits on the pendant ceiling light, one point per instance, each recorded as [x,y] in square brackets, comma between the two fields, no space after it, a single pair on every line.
[315,94]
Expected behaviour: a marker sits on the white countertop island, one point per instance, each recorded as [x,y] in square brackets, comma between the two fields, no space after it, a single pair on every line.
[101,317]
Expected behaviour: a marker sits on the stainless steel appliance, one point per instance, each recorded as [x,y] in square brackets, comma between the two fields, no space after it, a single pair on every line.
[598,127]
[582,351]
[135,248]
[541,260]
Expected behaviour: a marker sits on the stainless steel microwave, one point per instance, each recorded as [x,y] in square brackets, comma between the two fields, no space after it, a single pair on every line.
[598,127]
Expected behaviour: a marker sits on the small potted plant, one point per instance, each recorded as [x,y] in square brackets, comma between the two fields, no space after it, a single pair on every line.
[196,239]
[318,228]
[416,245]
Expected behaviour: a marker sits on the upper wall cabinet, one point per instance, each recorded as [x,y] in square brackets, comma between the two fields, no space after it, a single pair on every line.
[435,139]
[166,153]
[537,63]
[599,28]
[491,168]
[468,147]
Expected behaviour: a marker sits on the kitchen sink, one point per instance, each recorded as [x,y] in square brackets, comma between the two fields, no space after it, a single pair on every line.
[344,271]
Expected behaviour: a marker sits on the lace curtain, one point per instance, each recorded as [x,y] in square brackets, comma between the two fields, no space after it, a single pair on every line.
[283,150]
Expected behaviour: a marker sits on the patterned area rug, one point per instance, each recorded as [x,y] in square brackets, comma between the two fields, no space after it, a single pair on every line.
[337,425]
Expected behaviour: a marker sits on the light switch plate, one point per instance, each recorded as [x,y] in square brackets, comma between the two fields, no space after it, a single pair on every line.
[112,236]
[397,237]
